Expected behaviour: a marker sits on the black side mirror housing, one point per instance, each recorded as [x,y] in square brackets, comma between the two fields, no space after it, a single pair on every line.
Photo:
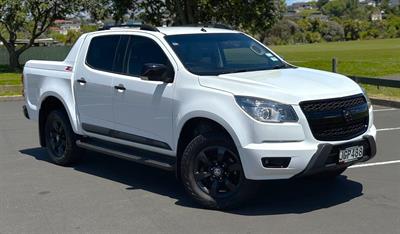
[157,72]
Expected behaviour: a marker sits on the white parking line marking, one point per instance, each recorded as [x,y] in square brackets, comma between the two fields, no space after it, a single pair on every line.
[375,164]
[389,109]
[387,129]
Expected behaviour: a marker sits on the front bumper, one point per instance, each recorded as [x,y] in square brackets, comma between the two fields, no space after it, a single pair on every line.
[25,111]
[306,157]
[326,156]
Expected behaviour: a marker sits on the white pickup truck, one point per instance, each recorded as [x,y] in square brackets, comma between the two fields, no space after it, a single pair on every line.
[214,105]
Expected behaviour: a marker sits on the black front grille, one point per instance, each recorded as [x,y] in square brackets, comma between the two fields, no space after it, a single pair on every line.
[337,119]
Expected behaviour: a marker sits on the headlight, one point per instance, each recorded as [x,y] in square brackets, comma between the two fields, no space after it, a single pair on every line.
[267,111]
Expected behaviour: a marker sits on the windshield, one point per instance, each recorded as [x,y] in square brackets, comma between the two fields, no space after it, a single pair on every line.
[221,53]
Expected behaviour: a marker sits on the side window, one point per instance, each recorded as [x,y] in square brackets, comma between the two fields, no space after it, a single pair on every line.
[102,51]
[144,50]
[119,59]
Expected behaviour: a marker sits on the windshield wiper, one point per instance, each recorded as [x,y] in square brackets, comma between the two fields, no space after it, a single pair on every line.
[237,71]
[280,66]
[276,67]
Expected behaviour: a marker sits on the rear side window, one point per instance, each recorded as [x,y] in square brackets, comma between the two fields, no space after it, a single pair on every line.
[102,51]
[144,50]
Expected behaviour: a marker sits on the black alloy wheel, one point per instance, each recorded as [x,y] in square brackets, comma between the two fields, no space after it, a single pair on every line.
[57,138]
[217,171]
[60,139]
[212,172]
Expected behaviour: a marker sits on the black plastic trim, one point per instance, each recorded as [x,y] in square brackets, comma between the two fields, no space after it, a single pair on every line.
[318,161]
[276,162]
[125,136]
[372,145]
[162,161]
[25,111]
[144,27]
[322,122]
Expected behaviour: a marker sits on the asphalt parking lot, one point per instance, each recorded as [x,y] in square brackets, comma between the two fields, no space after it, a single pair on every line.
[108,195]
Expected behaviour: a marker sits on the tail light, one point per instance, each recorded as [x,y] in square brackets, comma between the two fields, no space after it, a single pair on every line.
[23,85]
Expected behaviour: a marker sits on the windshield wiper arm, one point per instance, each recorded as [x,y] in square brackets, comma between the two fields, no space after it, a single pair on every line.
[281,66]
[236,71]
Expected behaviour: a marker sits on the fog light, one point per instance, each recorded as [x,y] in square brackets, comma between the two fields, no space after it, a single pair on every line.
[279,162]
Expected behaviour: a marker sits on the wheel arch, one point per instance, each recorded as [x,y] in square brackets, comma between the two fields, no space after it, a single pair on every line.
[194,125]
[49,103]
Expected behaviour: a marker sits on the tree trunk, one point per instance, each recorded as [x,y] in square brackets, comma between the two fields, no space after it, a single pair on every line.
[178,8]
[14,60]
[189,12]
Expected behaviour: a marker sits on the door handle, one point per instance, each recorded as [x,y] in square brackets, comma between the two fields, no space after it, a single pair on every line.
[81,81]
[120,88]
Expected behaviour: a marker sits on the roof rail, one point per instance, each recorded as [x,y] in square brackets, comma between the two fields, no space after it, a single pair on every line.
[208,25]
[145,27]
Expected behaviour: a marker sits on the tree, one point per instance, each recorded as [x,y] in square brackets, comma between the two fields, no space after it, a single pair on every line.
[254,16]
[155,12]
[120,8]
[117,9]
[321,3]
[176,12]
[32,17]
[350,9]
[335,8]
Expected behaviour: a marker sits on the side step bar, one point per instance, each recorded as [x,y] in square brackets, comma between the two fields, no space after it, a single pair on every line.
[145,157]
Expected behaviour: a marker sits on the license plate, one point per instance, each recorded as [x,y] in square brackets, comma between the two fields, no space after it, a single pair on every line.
[351,154]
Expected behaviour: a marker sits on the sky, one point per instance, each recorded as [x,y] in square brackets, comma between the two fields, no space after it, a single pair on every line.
[289,2]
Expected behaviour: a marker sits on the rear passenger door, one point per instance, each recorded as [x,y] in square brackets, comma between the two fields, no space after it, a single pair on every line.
[93,83]
[143,109]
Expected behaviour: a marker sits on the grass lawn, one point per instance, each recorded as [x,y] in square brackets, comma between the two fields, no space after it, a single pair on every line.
[9,82]
[370,58]
[10,78]
[382,92]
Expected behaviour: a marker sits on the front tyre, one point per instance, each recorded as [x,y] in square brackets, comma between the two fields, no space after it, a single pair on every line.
[60,139]
[212,173]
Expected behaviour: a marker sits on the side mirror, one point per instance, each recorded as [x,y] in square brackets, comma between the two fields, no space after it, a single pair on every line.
[157,72]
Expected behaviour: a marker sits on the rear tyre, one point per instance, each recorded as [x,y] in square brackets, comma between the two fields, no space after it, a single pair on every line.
[60,139]
[212,173]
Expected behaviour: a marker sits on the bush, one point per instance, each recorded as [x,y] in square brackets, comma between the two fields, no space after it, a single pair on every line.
[332,31]
[313,37]
[348,21]
[282,32]
[353,28]
[273,40]
[391,32]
